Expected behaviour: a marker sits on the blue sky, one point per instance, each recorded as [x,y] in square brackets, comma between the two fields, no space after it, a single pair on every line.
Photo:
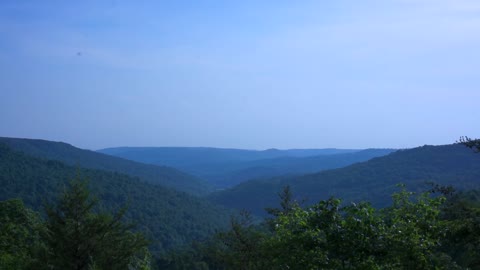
[243,74]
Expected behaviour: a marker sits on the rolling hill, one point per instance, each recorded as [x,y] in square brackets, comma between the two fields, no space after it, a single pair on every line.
[373,180]
[168,217]
[228,167]
[66,153]
[266,168]
[184,156]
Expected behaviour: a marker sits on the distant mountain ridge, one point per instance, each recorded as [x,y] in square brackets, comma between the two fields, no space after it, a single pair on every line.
[373,180]
[228,167]
[162,175]
[177,156]
[302,165]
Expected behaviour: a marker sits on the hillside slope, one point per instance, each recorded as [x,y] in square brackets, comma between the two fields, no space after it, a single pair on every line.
[228,167]
[71,155]
[168,217]
[373,180]
[297,165]
[184,156]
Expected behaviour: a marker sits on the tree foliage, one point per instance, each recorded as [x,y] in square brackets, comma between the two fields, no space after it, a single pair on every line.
[418,231]
[74,235]
[20,236]
[78,237]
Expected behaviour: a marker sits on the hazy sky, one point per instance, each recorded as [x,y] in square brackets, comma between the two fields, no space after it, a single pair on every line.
[243,74]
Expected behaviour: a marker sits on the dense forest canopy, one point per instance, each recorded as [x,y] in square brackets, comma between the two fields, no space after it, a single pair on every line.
[168,217]
[66,153]
[74,235]
[435,229]
[116,221]
[372,180]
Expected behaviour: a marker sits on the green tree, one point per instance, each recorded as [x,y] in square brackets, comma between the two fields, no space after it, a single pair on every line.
[462,240]
[79,237]
[418,231]
[20,229]
[415,230]
[240,245]
[329,236]
[287,205]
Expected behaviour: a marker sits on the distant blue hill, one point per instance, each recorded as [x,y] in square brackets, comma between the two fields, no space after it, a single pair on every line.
[374,180]
[180,156]
[227,167]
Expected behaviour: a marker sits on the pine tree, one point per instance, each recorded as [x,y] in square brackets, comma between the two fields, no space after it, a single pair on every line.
[81,238]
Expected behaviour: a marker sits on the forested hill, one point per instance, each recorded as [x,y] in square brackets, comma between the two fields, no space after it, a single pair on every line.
[227,167]
[296,165]
[183,156]
[170,218]
[373,180]
[71,155]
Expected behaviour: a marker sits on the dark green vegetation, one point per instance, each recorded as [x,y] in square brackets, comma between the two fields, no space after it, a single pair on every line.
[424,231]
[372,180]
[438,229]
[168,217]
[74,235]
[228,167]
[20,230]
[165,176]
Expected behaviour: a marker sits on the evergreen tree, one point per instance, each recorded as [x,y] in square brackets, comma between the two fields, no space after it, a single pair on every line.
[81,238]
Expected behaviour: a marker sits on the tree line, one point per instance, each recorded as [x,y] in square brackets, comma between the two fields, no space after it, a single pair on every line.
[436,229]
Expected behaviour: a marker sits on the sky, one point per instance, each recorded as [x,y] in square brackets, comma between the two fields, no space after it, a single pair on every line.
[240,74]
